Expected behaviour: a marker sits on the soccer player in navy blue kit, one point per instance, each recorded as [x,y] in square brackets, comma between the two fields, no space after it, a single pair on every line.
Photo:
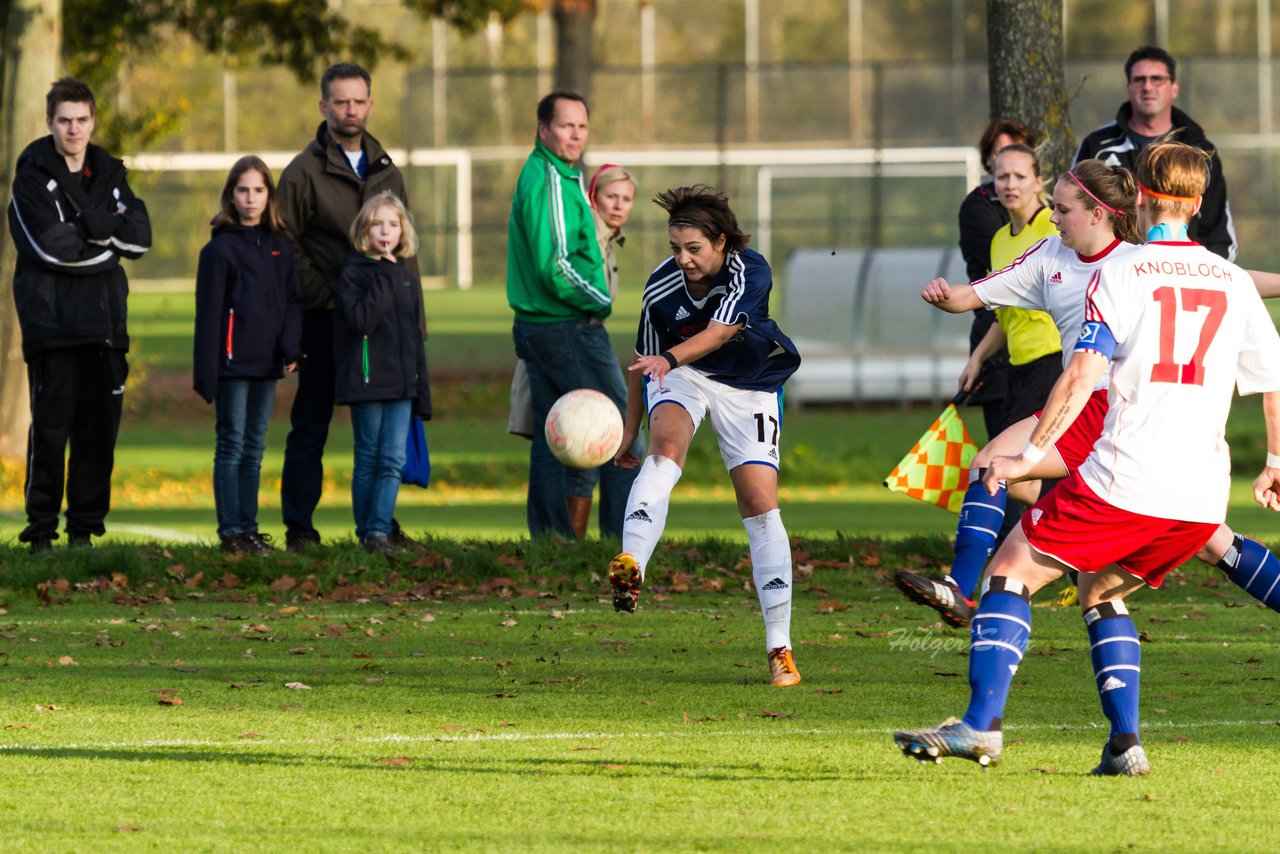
[707,347]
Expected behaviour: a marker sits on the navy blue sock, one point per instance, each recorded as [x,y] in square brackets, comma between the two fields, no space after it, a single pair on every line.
[1001,629]
[980,519]
[1117,660]
[1251,566]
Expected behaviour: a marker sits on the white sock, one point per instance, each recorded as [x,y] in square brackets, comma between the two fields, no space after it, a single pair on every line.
[771,570]
[647,508]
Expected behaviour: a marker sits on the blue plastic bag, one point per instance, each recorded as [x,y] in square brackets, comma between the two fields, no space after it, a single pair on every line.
[417,459]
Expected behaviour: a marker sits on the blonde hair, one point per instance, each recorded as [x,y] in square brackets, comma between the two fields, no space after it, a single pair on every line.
[1174,169]
[606,175]
[359,232]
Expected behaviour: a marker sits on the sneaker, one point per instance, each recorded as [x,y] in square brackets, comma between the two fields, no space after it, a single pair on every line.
[942,596]
[782,668]
[79,541]
[1068,598]
[259,544]
[1132,763]
[237,544]
[378,544]
[951,738]
[400,539]
[624,578]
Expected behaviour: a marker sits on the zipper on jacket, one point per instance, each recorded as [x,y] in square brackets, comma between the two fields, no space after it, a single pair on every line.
[364,358]
[231,325]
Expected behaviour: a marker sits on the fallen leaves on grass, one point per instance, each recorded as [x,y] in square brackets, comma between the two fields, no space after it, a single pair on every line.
[169,697]
[126,828]
[396,761]
[297,686]
[821,691]
[508,623]
[252,735]
[689,719]
[67,661]
[51,708]
[587,747]
[767,713]
[831,606]
[18,726]
[613,766]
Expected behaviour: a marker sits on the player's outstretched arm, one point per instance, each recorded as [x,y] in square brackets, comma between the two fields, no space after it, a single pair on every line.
[1068,397]
[1268,284]
[715,336]
[953,298]
[1266,488]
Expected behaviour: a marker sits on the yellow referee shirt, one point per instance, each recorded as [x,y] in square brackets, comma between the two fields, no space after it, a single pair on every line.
[1032,334]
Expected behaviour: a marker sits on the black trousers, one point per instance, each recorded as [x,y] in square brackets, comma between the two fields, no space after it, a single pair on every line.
[302,478]
[76,397]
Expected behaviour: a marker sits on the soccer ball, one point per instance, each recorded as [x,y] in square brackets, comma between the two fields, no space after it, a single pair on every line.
[584,429]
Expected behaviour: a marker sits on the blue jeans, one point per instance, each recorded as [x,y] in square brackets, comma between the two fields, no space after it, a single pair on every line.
[380,430]
[561,357]
[243,408]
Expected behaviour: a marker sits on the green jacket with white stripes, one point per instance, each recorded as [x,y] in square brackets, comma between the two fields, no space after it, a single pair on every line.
[554,269]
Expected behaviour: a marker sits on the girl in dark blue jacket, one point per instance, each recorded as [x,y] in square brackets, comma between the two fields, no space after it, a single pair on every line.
[248,333]
[380,360]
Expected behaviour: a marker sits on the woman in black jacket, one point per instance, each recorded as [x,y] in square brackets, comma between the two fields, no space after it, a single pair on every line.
[248,333]
[381,362]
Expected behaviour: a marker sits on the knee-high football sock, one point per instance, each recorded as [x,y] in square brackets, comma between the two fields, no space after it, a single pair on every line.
[1117,668]
[647,508]
[998,638]
[1251,566]
[771,571]
[980,519]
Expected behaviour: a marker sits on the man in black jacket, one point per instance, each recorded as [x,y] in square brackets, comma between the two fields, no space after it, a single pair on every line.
[320,192]
[72,218]
[1149,114]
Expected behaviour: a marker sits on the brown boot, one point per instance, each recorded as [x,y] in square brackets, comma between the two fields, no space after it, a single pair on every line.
[579,515]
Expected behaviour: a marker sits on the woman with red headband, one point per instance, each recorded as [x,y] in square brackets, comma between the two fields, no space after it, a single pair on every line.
[1093,210]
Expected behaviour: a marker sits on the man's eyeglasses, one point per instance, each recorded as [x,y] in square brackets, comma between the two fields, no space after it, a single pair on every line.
[1153,79]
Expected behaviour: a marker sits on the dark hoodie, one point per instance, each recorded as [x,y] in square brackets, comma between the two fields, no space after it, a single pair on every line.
[248,307]
[377,335]
[1114,144]
[320,195]
[71,230]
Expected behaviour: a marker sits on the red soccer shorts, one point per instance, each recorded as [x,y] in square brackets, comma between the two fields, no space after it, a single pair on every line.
[1077,443]
[1074,526]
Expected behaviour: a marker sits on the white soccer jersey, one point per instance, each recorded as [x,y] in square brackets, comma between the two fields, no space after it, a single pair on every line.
[1188,327]
[1052,278]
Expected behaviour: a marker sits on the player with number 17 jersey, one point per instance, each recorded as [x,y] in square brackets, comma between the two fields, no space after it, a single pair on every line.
[1183,327]
[759,358]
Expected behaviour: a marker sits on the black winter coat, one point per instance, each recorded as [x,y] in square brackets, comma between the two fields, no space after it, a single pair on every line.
[71,230]
[377,335]
[248,308]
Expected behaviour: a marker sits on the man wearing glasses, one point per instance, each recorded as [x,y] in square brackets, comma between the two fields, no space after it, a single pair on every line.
[1149,115]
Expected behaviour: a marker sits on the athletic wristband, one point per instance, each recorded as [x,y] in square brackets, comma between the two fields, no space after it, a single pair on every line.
[1032,454]
[671,360]
[1273,460]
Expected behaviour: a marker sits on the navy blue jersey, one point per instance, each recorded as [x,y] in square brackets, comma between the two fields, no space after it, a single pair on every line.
[758,358]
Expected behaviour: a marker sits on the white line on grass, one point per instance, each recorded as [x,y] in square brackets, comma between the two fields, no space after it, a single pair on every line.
[575,736]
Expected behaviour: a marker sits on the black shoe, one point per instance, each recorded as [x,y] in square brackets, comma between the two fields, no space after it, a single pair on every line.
[259,544]
[41,545]
[79,541]
[378,544]
[298,543]
[237,544]
[401,540]
[942,596]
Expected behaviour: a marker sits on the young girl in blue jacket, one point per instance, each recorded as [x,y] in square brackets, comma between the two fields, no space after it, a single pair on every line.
[248,333]
[381,363]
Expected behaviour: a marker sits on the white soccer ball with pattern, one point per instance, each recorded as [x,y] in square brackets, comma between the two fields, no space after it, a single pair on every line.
[584,429]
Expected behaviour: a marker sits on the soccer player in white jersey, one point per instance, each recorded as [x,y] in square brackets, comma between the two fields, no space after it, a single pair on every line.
[1093,210]
[707,348]
[1183,327]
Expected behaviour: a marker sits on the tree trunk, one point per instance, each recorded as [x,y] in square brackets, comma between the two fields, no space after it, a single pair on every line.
[574,60]
[1024,63]
[33,36]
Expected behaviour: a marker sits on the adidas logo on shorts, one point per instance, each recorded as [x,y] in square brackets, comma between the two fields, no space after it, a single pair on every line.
[1035,516]
[776,584]
[1111,684]
[682,313]
[639,516]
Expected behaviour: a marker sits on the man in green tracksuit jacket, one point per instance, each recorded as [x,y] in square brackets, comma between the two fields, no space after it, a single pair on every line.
[556,286]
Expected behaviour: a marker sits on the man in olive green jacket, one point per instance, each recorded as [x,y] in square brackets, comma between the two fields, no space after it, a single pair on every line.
[556,286]
[320,193]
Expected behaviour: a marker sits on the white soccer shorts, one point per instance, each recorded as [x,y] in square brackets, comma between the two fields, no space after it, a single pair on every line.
[747,424]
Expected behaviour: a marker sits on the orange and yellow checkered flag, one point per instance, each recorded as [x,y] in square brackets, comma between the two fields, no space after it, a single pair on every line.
[936,469]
